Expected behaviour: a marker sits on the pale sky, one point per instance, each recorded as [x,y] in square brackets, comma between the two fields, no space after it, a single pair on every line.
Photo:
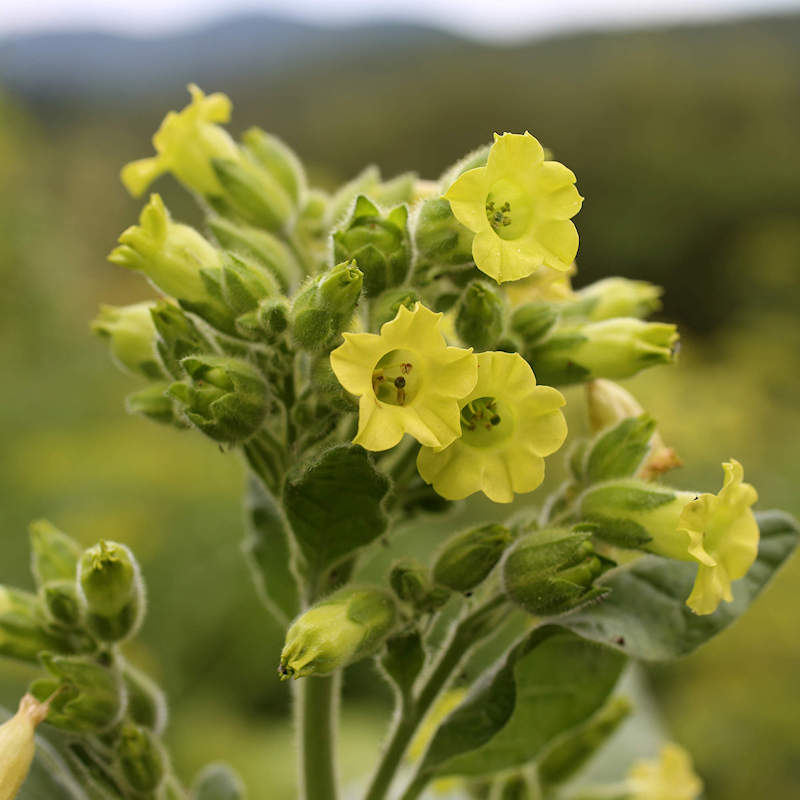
[490,19]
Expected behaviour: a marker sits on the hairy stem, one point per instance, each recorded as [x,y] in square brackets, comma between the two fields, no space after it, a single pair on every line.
[316,701]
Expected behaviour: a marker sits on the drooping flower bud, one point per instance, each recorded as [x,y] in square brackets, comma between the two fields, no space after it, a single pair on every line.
[131,337]
[17,745]
[111,590]
[141,758]
[411,582]
[466,559]
[614,348]
[349,625]
[613,297]
[225,398]
[377,242]
[551,571]
[325,305]
[479,316]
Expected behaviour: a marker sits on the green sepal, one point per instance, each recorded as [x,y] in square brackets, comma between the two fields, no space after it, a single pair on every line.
[54,554]
[245,284]
[60,602]
[384,307]
[154,404]
[620,451]
[277,158]
[23,631]
[440,240]
[531,322]
[411,583]
[465,560]
[178,337]
[140,758]
[480,315]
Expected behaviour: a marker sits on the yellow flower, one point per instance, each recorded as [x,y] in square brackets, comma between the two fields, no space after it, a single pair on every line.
[508,425]
[670,778]
[17,745]
[185,143]
[408,379]
[519,207]
[723,538]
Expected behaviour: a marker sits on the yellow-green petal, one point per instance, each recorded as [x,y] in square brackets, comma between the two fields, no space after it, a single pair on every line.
[559,238]
[467,198]
[513,152]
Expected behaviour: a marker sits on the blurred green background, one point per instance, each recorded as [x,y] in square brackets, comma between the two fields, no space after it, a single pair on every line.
[685,143]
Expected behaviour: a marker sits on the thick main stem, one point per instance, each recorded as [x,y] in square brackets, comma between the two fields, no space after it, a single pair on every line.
[316,700]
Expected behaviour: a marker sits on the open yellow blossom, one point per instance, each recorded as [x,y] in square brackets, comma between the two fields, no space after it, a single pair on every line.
[670,778]
[508,424]
[185,143]
[408,380]
[519,206]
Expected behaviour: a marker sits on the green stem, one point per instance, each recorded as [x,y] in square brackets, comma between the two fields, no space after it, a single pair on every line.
[317,701]
[463,636]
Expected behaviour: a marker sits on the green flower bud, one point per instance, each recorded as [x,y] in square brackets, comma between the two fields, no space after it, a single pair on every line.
[440,239]
[268,321]
[226,398]
[178,337]
[531,322]
[364,183]
[54,555]
[400,189]
[378,244]
[350,625]
[22,632]
[154,404]
[279,160]
[86,697]
[614,297]
[253,194]
[253,244]
[131,337]
[479,316]
[384,308]
[111,590]
[466,559]
[140,758]
[551,571]
[615,348]
[60,601]
[411,583]
[92,770]
[245,284]
[326,305]
[514,787]
[218,782]
[171,255]
[147,705]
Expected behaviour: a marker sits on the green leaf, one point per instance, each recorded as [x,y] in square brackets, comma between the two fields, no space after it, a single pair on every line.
[619,452]
[334,505]
[646,616]
[549,683]
[268,552]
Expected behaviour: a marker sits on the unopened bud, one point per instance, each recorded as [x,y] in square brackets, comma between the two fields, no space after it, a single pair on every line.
[60,601]
[218,782]
[613,297]
[350,625]
[411,583]
[326,305]
[531,322]
[178,337]
[245,284]
[86,696]
[17,745]
[54,555]
[269,320]
[154,404]
[384,308]
[140,758]
[23,634]
[278,159]
[226,398]
[363,183]
[551,571]
[111,589]
[479,316]
[440,238]
[466,559]
[615,348]
[131,337]
[170,254]
[400,189]
[147,705]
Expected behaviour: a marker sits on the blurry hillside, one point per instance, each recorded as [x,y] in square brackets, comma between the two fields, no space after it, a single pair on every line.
[685,143]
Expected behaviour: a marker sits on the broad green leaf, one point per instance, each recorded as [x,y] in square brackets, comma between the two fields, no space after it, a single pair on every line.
[618,452]
[546,685]
[645,615]
[267,549]
[334,505]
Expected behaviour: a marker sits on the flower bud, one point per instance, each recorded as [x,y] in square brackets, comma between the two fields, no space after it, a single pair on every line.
[218,782]
[147,705]
[350,625]
[140,757]
[531,322]
[613,297]
[86,696]
[186,143]
[54,555]
[131,336]
[245,284]
[279,160]
[60,602]
[111,590]
[269,320]
[22,631]
[440,238]
[364,183]
[257,245]
[479,316]
[226,398]
[170,254]
[411,583]
[252,194]
[154,404]
[608,404]
[384,308]
[551,571]
[17,745]
[614,348]
[378,244]
[325,305]
[178,337]
[466,559]
[400,189]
